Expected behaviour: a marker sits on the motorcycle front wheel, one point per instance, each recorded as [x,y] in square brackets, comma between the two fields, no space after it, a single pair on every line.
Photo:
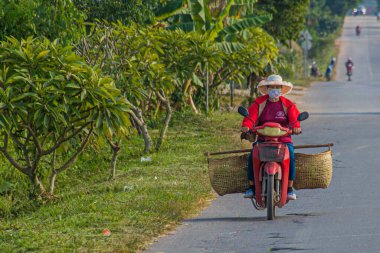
[271,209]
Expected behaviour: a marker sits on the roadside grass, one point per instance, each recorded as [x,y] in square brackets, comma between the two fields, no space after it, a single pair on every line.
[145,200]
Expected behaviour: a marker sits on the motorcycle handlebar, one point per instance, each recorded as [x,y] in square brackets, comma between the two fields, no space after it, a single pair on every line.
[254,131]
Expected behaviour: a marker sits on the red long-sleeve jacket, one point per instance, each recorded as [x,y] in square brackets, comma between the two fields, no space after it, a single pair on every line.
[259,104]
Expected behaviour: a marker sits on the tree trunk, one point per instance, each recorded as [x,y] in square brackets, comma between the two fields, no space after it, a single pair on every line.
[37,184]
[71,160]
[253,82]
[188,88]
[191,102]
[135,125]
[164,128]
[115,153]
[147,140]
[53,177]
[144,131]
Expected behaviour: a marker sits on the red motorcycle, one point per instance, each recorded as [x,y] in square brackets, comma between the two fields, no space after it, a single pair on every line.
[271,165]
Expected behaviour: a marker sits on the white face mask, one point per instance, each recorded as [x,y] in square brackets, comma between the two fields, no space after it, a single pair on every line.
[274,93]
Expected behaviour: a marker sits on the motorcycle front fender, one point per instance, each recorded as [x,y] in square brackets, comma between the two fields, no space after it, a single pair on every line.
[272,168]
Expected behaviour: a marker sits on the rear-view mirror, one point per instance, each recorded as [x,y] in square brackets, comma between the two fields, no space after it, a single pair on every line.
[303,116]
[243,111]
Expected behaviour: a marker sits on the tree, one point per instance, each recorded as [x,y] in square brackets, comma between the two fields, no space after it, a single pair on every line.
[128,12]
[51,19]
[288,18]
[50,104]
[123,54]
[220,23]
[149,64]
[341,7]
[322,20]
[223,23]
[16,17]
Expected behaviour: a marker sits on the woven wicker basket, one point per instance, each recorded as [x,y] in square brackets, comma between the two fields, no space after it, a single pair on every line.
[313,170]
[229,174]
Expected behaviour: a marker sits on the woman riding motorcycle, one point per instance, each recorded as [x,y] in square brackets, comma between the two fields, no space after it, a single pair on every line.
[273,107]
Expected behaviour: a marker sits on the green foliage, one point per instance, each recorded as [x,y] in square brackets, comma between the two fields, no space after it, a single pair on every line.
[128,12]
[341,7]
[288,17]
[51,19]
[144,60]
[216,20]
[16,17]
[322,20]
[50,103]
[237,26]
[259,50]
[325,18]
[171,8]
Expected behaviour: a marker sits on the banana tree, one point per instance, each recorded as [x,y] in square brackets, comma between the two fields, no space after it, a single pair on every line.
[186,56]
[224,23]
[51,102]
[254,57]
[217,21]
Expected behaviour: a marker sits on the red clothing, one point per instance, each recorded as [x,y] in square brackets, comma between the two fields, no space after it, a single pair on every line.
[274,112]
[291,111]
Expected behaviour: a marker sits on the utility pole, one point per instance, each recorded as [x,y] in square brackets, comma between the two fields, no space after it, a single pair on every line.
[232,93]
[206,89]
[306,44]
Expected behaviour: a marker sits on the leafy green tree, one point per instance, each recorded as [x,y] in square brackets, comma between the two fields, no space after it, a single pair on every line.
[128,12]
[16,17]
[188,56]
[288,17]
[219,23]
[50,104]
[51,19]
[124,54]
[149,64]
[321,19]
[341,7]
[223,23]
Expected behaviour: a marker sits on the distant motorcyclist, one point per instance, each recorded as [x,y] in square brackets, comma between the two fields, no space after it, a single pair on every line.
[328,72]
[349,66]
[349,63]
[332,61]
[358,29]
[314,71]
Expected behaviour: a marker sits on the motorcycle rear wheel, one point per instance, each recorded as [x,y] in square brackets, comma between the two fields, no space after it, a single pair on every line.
[271,208]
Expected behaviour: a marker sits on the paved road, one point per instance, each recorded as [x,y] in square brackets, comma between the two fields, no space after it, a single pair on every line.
[343,218]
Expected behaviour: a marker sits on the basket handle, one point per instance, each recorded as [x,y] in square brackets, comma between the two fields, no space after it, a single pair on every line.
[329,145]
[208,154]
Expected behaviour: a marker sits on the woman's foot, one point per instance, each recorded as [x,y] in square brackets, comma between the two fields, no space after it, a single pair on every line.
[291,194]
[249,193]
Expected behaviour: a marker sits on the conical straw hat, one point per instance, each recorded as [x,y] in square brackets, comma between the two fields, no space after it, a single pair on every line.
[274,80]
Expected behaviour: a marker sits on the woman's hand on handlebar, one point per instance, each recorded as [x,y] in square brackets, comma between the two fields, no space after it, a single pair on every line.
[245,129]
[296,130]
